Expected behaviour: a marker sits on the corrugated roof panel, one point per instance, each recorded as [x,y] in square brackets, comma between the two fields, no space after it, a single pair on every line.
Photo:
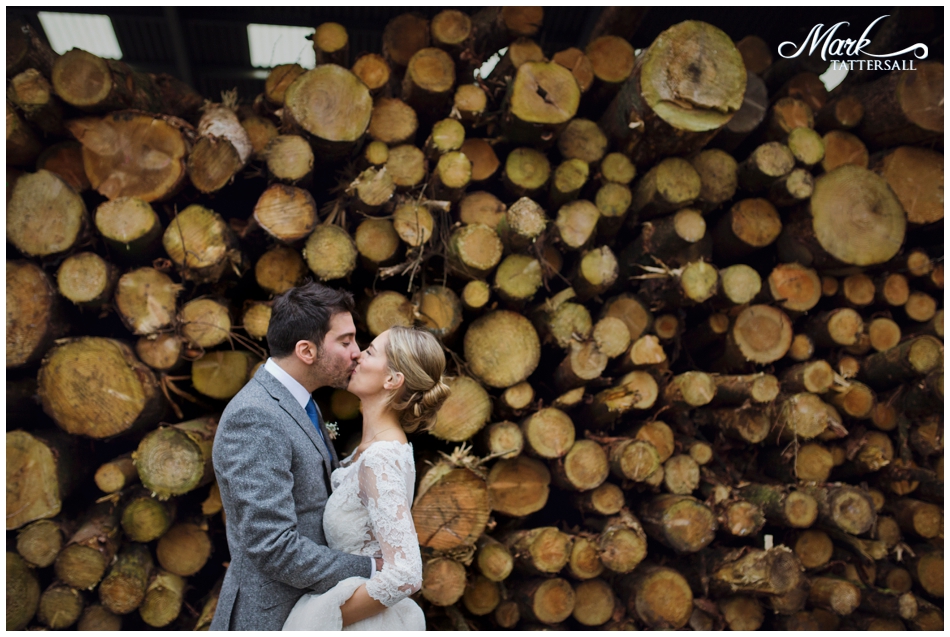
[145,40]
[212,42]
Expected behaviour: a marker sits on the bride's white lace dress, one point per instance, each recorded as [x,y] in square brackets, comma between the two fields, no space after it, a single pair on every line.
[368,513]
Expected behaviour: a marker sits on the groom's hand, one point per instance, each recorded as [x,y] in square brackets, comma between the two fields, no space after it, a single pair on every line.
[379,563]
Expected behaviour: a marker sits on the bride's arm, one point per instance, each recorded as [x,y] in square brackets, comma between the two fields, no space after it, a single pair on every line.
[383,487]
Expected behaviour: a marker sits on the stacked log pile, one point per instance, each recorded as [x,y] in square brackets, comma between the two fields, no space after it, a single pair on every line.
[692,301]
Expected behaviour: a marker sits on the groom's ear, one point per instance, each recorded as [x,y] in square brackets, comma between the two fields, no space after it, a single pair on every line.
[306,351]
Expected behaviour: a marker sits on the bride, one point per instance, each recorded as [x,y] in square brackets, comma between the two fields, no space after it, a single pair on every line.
[398,379]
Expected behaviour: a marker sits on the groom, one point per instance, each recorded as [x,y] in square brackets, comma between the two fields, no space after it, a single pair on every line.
[272,460]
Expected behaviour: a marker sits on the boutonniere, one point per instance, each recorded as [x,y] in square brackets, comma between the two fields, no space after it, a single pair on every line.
[333,429]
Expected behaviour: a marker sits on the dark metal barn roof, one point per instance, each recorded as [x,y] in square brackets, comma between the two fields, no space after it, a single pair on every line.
[208,46]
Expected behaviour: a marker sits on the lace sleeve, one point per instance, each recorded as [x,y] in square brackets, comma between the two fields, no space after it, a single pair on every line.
[386,478]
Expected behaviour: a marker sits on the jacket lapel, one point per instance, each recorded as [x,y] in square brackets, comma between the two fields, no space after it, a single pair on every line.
[290,405]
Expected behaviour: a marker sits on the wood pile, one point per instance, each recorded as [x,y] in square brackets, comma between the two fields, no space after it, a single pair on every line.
[692,302]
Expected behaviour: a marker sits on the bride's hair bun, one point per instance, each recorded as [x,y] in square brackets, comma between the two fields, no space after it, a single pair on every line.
[418,356]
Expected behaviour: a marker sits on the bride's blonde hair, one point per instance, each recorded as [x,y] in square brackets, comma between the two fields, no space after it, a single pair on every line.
[418,356]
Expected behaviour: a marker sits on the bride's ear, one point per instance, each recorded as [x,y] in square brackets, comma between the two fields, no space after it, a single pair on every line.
[394,381]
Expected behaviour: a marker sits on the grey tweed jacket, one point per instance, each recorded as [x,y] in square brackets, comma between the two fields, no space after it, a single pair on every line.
[273,473]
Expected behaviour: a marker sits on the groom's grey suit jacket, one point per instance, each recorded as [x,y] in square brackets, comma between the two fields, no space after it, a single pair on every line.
[273,473]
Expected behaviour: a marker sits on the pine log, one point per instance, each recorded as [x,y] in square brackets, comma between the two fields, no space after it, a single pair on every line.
[330,252]
[548,601]
[681,475]
[163,599]
[260,131]
[622,542]
[27,49]
[520,51]
[23,146]
[116,474]
[331,105]
[451,508]
[74,392]
[660,435]
[751,114]
[184,549]
[60,606]
[202,245]
[735,390]
[121,150]
[278,81]
[222,374]
[578,64]
[584,563]
[413,222]
[558,319]
[161,352]
[41,473]
[670,96]
[751,224]
[787,114]
[131,228]
[774,571]
[331,44]
[760,334]
[443,581]
[912,359]
[903,107]
[569,177]
[807,146]
[65,159]
[837,595]
[145,300]
[373,70]
[515,400]
[475,249]
[38,543]
[393,122]
[825,237]
[539,551]
[680,522]
[611,336]
[689,390]
[793,189]
[23,593]
[916,177]
[146,518]
[843,149]
[483,158]
[519,486]
[671,184]
[739,518]
[377,243]
[493,559]
[123,588]
[204,322]
[83,561]
[32,93]
[438,309]
[470,101]
[190,444]
[289,159]
[481,596]
[543,98]
[751,426]
[584,467]
[403,36]
[428,81]
[98,617]
[34,318]
[636,390]
[502,348]
[782,507]
[60,228]
[256,319]
[607,499]
[387,309]
[658,596]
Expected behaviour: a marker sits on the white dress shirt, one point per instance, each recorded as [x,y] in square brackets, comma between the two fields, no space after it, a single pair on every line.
[299,392]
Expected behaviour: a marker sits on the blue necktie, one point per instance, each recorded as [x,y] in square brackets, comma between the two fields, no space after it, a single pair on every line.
[312,412]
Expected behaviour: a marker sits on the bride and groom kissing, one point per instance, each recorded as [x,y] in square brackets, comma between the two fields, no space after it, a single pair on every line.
[317,543]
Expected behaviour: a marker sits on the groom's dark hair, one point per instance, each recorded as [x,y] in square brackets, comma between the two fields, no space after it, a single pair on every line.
[303,313]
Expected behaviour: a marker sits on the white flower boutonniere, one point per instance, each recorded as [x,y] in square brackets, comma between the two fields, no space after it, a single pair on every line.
[333,429]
